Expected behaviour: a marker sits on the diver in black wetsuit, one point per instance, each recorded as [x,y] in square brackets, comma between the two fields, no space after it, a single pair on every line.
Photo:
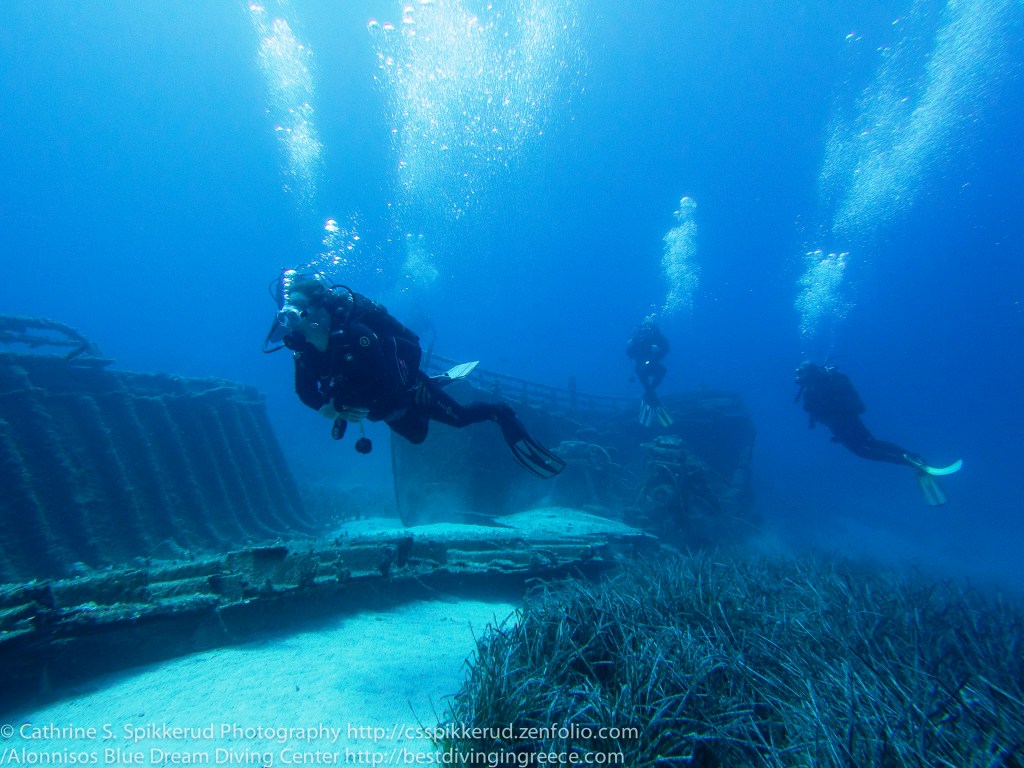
[647,347]
[830,398]
[354,361]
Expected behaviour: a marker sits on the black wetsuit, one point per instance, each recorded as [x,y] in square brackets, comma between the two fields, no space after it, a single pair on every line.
[648,346]
[372,364]
[830,398]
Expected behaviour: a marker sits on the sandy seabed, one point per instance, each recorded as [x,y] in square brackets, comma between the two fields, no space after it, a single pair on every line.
[358,690]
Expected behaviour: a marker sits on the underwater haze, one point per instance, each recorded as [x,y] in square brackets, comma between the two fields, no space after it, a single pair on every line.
[523,181]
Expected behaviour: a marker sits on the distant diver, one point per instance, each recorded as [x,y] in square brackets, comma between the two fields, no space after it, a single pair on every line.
[646,347]
[354,361]
[829,397]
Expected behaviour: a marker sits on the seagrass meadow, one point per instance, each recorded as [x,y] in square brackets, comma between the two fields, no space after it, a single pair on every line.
[717,659]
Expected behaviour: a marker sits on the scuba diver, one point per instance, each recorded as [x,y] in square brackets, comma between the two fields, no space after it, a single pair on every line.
[829,397]
[354,361]
[647,346]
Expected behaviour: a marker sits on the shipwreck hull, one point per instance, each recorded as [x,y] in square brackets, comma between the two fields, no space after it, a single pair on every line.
[99,467]
[146,516]
[689,482]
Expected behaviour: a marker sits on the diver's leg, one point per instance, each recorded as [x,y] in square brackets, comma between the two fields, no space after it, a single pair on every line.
[657,374]
[858,439]
[650,373]
[851,433]
[884,451]
[412,425]
[867,447]
[650,402]
[435,404]
[530,454]
[870,447]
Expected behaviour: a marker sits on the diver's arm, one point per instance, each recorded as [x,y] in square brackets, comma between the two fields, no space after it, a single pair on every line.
[812,404]
[306,387]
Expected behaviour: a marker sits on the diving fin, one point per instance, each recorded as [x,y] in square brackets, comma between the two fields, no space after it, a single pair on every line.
[456,372]
[940,471]
[651,406]
[531,455]
[664,417]
[646,415]
[931,491]
[918,462]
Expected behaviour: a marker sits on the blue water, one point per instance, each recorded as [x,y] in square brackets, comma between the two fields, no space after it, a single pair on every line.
[148,201]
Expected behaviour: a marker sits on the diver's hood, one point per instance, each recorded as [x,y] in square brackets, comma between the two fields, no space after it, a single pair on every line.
[315,290]
[290,281]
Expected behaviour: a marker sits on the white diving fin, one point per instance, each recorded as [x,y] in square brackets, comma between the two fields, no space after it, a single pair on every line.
[931,491]
[664,417]
[651,407]
[646,415]
[918,463]
[940,471]
[461,371]
[456,372]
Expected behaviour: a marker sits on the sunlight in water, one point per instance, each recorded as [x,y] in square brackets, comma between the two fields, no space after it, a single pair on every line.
[912,119]
[468,85]
[285,63]
[679,260]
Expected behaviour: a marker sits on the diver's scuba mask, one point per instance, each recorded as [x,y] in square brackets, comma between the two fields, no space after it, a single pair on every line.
[290,317]
[297,295]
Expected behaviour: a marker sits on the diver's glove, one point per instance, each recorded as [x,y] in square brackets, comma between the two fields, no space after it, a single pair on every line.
[329,411]
[342,417]
[354,414]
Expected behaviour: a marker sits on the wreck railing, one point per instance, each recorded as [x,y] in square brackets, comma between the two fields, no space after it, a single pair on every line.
[35,332]
[567,399]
